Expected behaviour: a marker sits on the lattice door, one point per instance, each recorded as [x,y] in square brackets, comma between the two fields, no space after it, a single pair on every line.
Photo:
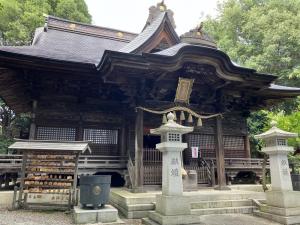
[103,141]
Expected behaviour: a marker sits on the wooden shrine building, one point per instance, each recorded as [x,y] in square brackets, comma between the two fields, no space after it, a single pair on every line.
[84,82]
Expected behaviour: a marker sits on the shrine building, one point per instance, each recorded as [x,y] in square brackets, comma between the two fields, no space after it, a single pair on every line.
[83,82]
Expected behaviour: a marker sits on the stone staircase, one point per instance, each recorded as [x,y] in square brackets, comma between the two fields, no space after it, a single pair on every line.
[138,205]
[242,206]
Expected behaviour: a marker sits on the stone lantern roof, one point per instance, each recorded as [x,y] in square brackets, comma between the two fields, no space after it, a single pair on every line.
[171,126]
[275,132]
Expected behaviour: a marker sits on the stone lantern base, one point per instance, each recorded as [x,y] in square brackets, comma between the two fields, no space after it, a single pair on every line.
[281,206]
[171,210]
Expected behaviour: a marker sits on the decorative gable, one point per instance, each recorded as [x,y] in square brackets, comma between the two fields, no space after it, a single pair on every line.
[158,33]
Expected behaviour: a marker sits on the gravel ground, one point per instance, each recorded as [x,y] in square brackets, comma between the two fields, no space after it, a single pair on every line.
[28,217]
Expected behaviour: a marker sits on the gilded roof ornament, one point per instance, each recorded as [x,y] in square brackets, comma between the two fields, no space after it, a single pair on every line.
[162,6]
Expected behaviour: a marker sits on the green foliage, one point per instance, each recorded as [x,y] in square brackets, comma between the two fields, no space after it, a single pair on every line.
[289,123]
[20,18]
[10,126]
[257,124]
[261,34]
[4,143]
[264,35]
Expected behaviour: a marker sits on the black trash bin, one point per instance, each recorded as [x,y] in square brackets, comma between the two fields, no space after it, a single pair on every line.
[94,190]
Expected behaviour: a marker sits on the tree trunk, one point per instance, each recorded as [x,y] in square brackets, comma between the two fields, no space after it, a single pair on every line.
[264,170]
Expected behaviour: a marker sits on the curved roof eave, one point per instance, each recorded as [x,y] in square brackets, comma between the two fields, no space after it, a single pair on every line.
[186,53]
[275,91]
[15,59]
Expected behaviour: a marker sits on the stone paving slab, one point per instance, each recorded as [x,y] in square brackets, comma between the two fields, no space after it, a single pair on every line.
[28,217]
[234,219]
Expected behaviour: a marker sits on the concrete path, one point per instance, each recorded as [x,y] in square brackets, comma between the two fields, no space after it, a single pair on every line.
[234,219]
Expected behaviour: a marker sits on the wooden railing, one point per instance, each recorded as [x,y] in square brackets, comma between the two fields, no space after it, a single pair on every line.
[131,173]
[241,163]
[153,174]
[85,162]
[8,161]
[98,162]
[152,155]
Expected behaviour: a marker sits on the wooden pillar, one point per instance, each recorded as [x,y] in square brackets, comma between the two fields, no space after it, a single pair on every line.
[79,129]
[220,154]
[139,167]
[247,147]
[124,133]
[32,131]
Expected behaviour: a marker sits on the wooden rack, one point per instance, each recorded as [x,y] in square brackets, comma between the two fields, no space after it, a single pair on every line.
[48,176]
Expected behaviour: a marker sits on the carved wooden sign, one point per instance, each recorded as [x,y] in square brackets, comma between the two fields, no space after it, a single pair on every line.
[184,90]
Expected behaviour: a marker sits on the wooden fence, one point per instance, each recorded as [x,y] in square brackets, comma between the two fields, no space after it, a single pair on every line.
[153,174]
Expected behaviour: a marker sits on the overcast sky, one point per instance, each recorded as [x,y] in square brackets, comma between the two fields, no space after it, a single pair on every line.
[131,15]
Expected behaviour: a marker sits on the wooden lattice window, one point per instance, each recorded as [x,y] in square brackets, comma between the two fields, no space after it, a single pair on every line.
[101,136]
[233,142]
[234,146]
[56,133]
[205,142]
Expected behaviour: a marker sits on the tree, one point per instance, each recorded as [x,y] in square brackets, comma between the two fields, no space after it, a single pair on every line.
[20,18]
[6,118]
[261,34]
[264,35]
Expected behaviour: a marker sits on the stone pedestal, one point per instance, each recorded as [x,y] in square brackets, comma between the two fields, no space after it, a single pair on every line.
[282,207]
[106,215]
[279,167]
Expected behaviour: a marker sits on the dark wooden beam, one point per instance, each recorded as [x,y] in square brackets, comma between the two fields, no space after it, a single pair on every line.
[79,129]
[220,155]
[139,167]
[123,142]
[32,132]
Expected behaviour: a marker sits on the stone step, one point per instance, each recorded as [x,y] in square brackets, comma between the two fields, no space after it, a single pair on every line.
[147,221]
[232,210]
[280,219]
[221,204]
[219,196]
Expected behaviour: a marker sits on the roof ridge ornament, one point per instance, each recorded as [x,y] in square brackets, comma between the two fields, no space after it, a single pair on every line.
[198,36]
[162,6]
[155,11]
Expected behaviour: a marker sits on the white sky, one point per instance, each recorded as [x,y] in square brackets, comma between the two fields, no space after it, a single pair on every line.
[131,15]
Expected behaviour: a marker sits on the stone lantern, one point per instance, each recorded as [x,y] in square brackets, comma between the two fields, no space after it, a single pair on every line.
[172,206]
[276,146]
[171,146]
[282,203]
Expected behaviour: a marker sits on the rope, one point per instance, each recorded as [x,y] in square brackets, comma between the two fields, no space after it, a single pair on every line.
[179,108]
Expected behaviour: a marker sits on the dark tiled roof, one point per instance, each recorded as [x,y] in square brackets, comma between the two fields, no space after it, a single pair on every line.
[172,50]
[61,40]
[87,29]
[145,35]
[150,31]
